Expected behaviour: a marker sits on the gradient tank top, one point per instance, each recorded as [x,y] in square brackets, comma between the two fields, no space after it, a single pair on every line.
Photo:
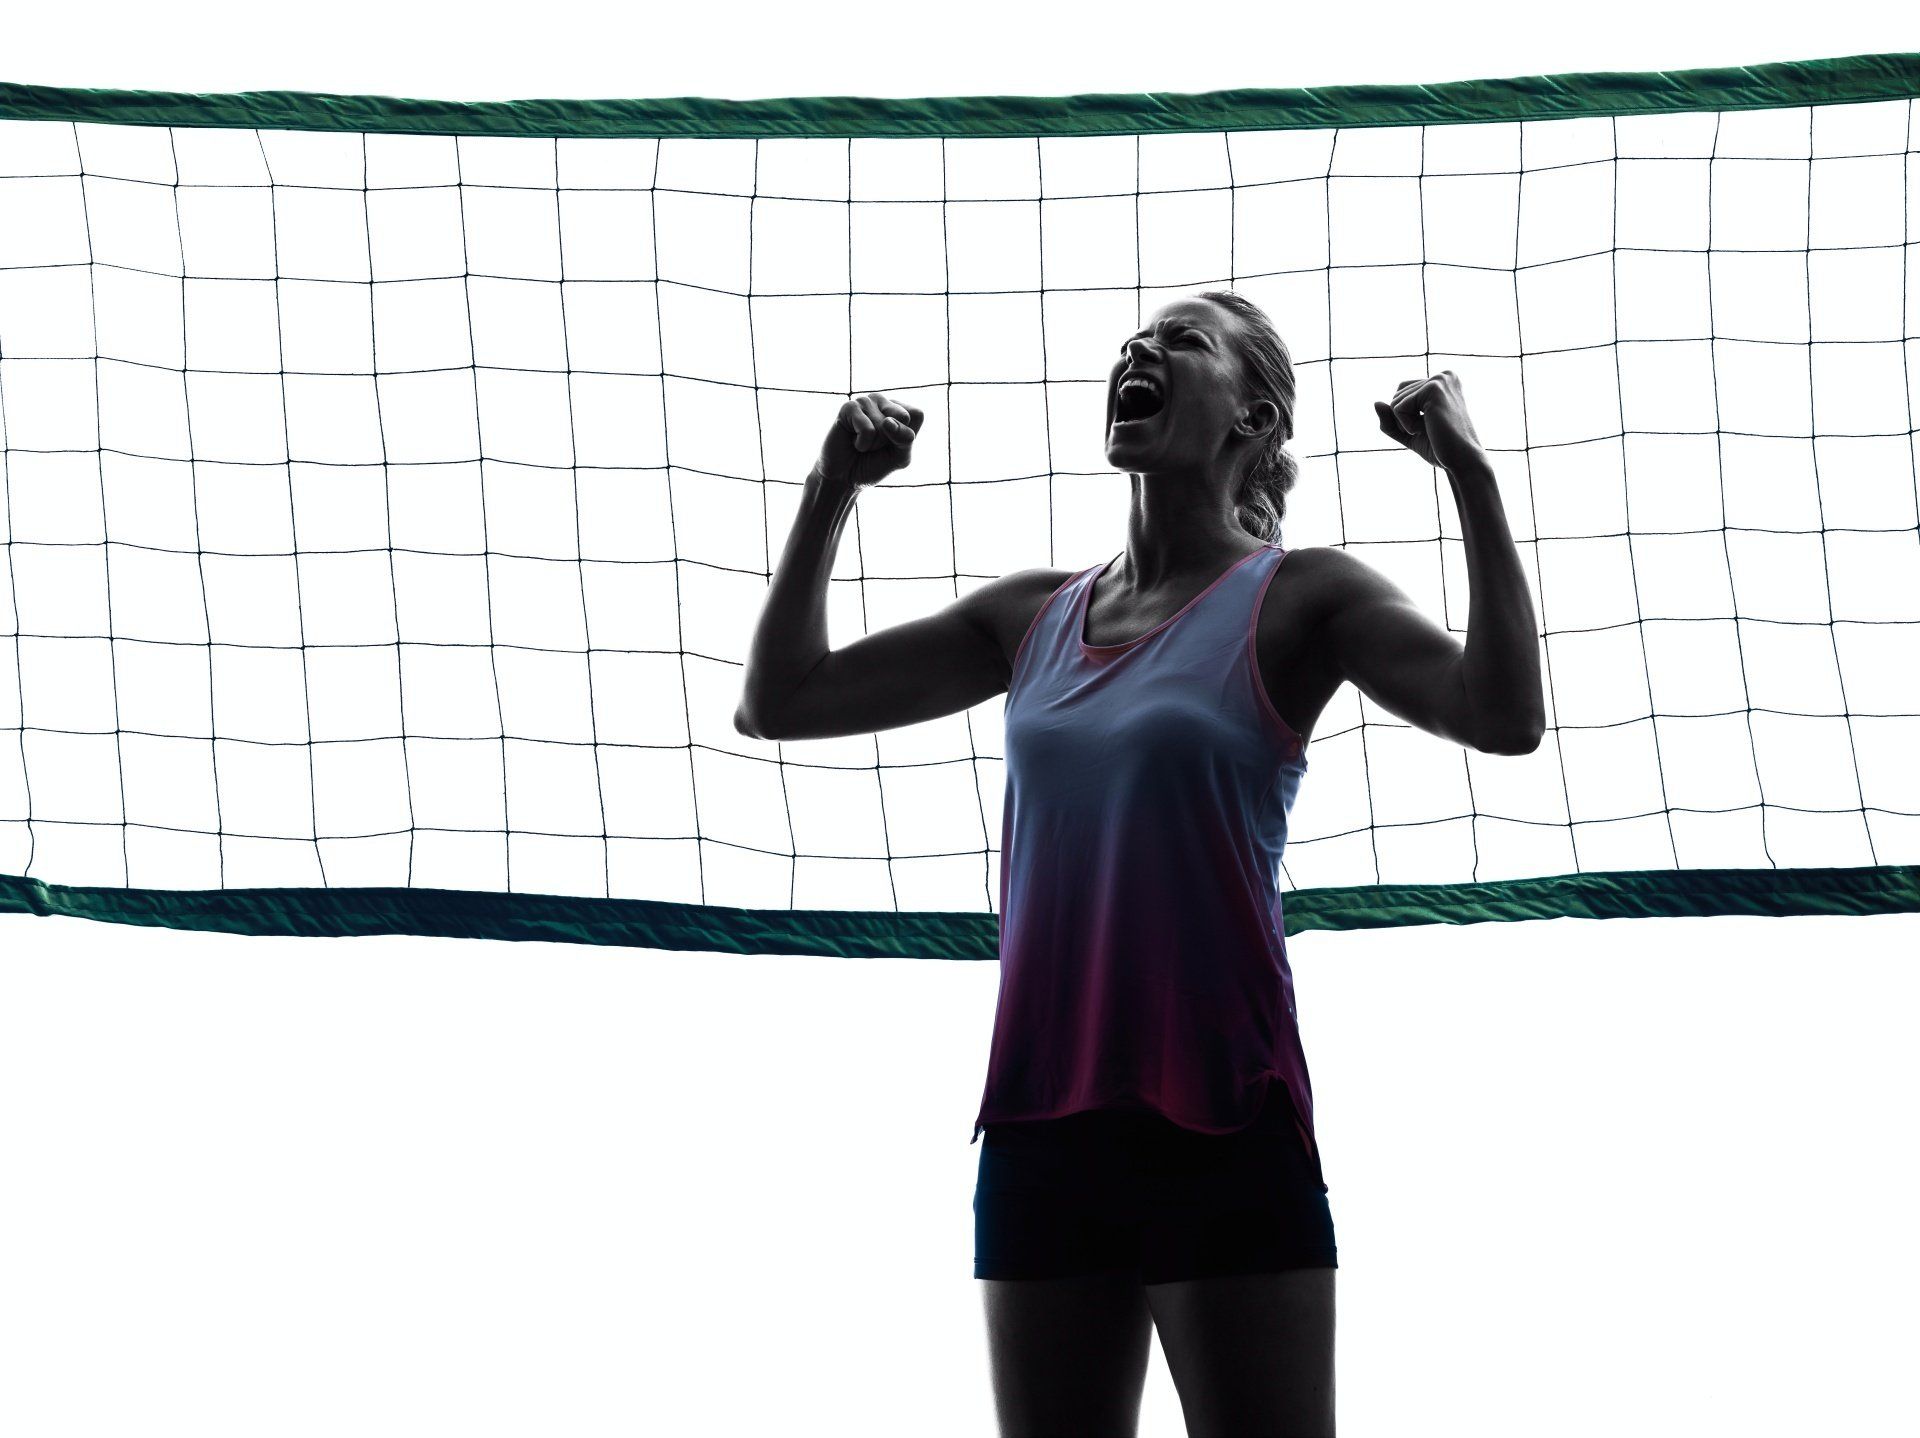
[1143,958]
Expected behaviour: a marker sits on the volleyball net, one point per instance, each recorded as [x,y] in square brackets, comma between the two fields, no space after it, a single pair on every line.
[392,487]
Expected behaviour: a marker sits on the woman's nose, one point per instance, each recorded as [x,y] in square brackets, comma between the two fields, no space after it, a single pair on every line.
[1127,350]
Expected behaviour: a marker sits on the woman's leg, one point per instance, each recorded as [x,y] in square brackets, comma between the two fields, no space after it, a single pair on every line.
[1251,1353]
[1069,1355]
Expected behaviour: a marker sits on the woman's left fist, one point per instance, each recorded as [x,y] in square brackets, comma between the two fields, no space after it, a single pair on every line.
[1429,417]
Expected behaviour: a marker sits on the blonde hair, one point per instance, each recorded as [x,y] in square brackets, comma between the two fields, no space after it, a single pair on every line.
[1260,503]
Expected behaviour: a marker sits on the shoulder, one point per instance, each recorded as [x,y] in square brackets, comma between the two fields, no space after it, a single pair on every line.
[1321,559]
[1017,595]
[1348,606]
[1321,579]
[1006,607]
[1322,588]
[1332,577]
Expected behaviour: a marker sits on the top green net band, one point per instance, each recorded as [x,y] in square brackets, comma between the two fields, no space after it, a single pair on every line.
[1850,79]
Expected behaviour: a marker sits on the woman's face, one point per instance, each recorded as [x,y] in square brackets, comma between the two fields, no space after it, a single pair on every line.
[1181,417]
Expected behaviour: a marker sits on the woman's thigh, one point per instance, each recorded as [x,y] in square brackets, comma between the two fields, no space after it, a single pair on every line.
[1069,1355]
[1251,1354]
[1078,1221]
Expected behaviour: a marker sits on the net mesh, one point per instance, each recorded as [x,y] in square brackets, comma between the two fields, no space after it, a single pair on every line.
[395,509]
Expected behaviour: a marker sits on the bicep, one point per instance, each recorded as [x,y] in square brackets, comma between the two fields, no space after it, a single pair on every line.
[1395,655]
[908,673]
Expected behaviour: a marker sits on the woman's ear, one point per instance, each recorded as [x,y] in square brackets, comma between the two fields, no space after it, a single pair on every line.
[1258,419]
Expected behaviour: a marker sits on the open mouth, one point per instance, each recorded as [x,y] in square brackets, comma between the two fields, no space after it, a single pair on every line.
[1139,397]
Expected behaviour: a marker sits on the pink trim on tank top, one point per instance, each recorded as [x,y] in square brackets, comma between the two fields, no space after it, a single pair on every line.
[1086,603]
[1034,623]
[1287,732]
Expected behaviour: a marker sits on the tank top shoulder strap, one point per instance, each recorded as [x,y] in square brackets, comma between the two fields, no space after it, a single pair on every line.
[1052,621]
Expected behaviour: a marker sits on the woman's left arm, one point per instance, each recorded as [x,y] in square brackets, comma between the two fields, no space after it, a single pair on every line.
[1488,693]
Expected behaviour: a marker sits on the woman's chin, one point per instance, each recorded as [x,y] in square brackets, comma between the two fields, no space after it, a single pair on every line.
[1121,448]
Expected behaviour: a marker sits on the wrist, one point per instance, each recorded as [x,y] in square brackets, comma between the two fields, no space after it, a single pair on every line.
[833,490]
[1476,468]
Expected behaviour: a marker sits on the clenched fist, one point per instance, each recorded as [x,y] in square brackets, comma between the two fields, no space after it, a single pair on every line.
[1429,417]
[872,437]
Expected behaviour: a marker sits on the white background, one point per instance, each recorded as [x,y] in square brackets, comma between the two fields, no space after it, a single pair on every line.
[1652,1176]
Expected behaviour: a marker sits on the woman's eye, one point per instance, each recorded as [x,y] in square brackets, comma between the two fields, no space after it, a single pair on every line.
[1185,336]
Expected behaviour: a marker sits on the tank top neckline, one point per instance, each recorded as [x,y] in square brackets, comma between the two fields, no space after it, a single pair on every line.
[1086,604]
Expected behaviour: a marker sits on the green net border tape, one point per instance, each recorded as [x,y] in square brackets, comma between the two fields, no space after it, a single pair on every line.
[1839,80]
[651,924]
[854,934]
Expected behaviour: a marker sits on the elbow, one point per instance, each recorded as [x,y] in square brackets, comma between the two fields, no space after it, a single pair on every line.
[743,723]
[1519,741]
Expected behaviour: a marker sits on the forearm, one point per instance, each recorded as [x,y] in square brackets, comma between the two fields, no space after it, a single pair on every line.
[791,637]
[1500,670]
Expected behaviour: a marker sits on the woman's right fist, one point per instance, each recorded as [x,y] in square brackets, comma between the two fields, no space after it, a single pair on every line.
[872,437]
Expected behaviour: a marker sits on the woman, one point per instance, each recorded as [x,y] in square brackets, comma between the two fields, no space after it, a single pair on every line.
[1149,1154]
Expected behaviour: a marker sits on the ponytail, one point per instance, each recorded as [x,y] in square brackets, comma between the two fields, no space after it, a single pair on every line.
[1260,503]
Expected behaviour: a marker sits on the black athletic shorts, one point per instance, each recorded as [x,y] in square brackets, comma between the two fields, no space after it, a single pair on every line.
[1110,1190]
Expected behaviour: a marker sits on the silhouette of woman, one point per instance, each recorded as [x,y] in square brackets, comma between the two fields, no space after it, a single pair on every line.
[1149,1158]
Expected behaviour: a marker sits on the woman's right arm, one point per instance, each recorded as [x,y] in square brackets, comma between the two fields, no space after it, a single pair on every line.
[798,688]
